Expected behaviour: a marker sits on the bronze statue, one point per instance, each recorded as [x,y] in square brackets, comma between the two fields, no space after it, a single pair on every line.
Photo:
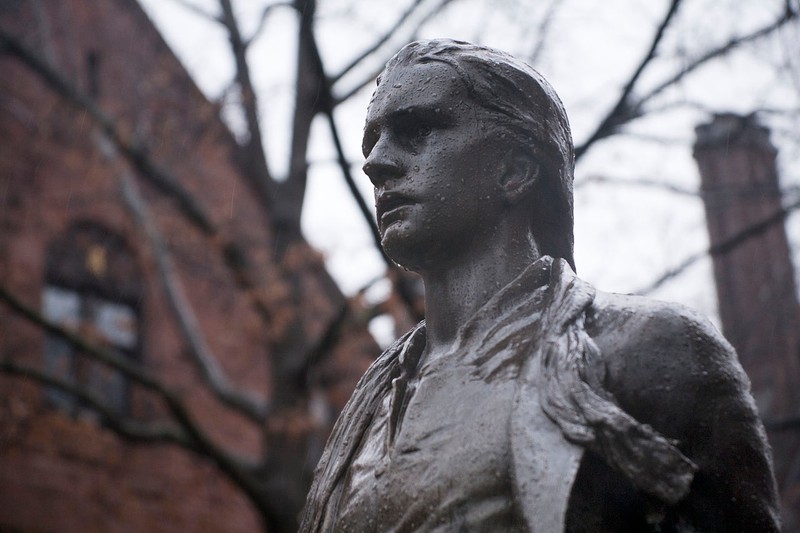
[526,401]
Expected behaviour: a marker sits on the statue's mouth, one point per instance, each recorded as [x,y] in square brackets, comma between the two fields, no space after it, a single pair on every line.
[388,202]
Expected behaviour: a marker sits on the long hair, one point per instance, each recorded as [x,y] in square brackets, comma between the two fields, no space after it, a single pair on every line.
[519,103]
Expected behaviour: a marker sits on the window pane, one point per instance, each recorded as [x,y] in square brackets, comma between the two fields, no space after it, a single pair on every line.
[63,307]
[109,385]
[117,323]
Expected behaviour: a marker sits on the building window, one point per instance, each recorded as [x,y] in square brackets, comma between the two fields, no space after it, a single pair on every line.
[92,288]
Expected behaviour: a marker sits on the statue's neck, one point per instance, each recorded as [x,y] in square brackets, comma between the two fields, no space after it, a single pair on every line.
[455,293]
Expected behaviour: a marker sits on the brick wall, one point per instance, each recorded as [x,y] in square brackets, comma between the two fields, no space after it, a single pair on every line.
[62,473]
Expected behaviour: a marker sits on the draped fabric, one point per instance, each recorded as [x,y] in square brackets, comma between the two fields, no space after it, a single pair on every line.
[323,498]
[559,410]
[586,413]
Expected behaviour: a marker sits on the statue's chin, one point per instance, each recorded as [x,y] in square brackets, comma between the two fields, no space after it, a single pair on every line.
[401,249]
[398,257]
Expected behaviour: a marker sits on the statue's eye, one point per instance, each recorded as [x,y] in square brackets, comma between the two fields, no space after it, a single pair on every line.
[414,128]
[423,130]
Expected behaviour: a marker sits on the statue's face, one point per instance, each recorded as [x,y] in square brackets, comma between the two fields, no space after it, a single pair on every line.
[432,165]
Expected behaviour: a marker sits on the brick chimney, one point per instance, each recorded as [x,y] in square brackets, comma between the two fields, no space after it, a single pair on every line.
[755,284]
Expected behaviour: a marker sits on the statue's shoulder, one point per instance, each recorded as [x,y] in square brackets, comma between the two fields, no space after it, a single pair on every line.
[646,319]
[669,367]
[632,326]
[659,358]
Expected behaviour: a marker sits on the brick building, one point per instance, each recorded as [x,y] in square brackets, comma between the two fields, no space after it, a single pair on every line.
[72,249]
[755,282]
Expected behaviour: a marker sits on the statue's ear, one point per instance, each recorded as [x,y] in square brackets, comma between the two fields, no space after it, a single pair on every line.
[520,172]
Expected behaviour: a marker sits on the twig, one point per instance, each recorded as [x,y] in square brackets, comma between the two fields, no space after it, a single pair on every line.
[119,363]
[543,30]
[379,43]
[374,72]
[727,47]
[262,21]
[126,428]
[366,80]
[197,10]
[623,110]
[724,246]
[641,182]
[365,210]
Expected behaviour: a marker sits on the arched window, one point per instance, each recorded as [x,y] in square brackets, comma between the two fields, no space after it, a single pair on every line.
[92,286]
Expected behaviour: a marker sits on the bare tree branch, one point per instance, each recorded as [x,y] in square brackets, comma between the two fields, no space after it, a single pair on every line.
[254,157]
[241,471]
[380,42]
[724,246]
[197,10]
[366,80]
[374,73]
[309,83]
[246,403]
[125,367]
[641,182]
[628,109]
[677,104]
[121,364]
[327,341]
[657,139]
[624,110]
[365,210]
[262,21]
[787,16]
[123,426]
[543,30]
[117,362]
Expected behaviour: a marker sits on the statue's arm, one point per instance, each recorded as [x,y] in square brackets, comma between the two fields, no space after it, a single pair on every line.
[676,373]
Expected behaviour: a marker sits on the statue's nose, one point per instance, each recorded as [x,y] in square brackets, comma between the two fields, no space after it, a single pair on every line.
[382,165]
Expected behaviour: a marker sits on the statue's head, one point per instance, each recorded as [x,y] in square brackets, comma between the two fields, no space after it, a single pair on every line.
[516,106]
